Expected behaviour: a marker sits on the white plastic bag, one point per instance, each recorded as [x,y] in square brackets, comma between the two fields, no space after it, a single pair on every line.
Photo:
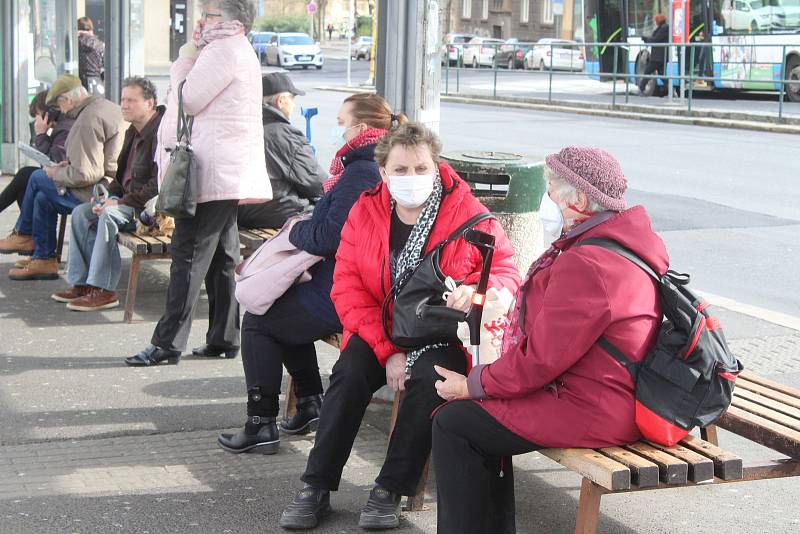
[493,324]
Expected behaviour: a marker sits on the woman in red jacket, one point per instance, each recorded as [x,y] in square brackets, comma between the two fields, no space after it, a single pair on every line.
[553,386]
[420,202]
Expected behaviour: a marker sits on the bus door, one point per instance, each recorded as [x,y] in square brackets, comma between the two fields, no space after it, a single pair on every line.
[603,25]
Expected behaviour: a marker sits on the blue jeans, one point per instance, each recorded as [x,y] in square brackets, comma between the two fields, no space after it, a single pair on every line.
[93,251]
[39,212]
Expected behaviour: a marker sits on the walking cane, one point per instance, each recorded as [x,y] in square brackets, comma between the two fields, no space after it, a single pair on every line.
[307,113]
[485,244]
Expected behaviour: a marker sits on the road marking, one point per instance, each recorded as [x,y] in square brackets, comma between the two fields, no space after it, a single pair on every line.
[778,318]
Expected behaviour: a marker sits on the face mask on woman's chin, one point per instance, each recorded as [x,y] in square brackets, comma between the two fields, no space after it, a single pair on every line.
[411,191]
[552,219]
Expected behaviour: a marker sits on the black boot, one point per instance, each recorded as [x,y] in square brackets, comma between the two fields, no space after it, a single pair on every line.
[309,506]
[382,510]
[260,433]
[306,416]
[212,351]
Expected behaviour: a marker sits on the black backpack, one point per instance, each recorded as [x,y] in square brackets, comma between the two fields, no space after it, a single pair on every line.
[687,378]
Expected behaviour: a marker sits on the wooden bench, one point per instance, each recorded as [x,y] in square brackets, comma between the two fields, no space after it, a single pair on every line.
[415,502]
[762,411]
[156,248]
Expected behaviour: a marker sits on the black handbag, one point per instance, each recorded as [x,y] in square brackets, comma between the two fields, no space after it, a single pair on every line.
[416,292]
[177,195]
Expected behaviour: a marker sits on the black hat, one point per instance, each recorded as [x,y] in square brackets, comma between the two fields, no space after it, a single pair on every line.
[278,82]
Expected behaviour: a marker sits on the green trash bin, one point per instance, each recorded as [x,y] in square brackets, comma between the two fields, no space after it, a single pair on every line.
[511,186]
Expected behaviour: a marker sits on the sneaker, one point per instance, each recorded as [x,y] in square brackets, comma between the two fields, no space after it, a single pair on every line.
[17,243]
[96,299]
[382,510]
[73,293]
[36,270]
[309,506]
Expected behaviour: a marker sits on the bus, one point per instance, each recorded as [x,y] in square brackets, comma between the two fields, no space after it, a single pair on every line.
[738,29]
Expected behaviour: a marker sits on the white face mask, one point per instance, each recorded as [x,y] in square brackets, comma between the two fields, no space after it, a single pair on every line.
[552,219]
[411,191]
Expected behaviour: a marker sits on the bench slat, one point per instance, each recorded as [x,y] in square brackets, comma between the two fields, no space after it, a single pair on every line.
[769,393]
[701,469]
[767,402]
[761,430]
[783,388]
[600,469]
[671,469]
[132,242]
[154,246]
[250,240]
[727,465]
[767,413]
[644,473]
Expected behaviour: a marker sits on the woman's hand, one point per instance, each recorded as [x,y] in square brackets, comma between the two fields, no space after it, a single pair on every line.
[461,298]
[454,385]
[396,371]
[188,51]
[41,124]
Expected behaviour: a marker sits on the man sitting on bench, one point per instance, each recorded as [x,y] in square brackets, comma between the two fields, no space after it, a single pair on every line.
[294,172]
[94,261]
[92,146]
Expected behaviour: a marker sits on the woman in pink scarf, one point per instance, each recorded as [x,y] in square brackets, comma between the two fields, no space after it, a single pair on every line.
[220,79]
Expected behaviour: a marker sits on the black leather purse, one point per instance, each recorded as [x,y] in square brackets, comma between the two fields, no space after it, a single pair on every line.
[419,291]
[177,196]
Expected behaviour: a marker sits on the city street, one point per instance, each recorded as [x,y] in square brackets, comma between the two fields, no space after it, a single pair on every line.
[89,445]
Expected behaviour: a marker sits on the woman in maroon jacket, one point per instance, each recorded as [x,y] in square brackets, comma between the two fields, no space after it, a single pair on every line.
[419,203]
[553,386]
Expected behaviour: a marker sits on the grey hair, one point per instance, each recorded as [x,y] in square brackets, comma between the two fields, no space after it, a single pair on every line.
[242,10]
[566,192]
[272,100]
[76,95]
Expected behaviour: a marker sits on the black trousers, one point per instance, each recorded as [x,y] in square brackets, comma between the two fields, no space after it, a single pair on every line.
[204,247]
[652,67]
[284,336]
[474,476]
[355,377]
[15,189]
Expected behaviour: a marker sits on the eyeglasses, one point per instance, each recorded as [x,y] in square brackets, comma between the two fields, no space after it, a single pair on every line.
[207,16]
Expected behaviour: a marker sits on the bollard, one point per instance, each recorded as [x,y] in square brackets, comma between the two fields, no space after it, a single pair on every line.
[511,187]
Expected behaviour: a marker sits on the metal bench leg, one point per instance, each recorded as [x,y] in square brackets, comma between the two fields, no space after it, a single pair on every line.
[290,407]
[133,281]
[709,434]
[588,507]
[62,229]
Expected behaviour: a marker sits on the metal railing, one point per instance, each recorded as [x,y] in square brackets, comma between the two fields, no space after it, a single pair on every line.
[623,68]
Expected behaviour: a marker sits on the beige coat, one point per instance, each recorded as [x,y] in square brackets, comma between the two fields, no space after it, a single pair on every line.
[92,146]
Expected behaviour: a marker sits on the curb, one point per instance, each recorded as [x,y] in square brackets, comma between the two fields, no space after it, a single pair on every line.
[596,110]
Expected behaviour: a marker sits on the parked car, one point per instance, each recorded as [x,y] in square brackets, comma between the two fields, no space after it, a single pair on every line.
[362,48]
[556,54]
[512,54]
[453,48]
[294,50]
[480,51]
[260,40]
[753,15]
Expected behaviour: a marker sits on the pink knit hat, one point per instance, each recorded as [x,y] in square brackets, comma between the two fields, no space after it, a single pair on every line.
[593,171]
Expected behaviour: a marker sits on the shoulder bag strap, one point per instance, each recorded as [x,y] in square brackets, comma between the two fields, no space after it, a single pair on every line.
[184,122]
[625,252]
[477,219]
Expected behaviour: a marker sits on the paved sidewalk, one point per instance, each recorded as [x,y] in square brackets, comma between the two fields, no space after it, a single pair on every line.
[89,445]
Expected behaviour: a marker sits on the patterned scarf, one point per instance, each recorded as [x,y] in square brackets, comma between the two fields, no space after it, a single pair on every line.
[413,251]
[370,136]
[220,30]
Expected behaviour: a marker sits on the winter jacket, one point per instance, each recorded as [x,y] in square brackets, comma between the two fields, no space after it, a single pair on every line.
[223,93]
[321,234]
[294,174]
[660,35]
[362,279]
[93,144]
[54,144]
[90,56]
[556,387]
[144,171]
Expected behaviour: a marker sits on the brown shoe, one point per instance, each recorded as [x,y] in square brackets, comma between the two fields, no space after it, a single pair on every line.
[96,299]
[22,262]
[17,243]
[73,293]
[36,270]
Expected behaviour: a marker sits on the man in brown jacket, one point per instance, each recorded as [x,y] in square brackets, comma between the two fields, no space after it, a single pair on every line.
[92,147]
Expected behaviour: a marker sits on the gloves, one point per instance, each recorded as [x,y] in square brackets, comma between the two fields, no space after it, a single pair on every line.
[188,51]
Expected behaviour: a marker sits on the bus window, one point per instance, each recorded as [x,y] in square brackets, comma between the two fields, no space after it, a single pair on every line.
[791,12]
[758,16]
[640,16]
